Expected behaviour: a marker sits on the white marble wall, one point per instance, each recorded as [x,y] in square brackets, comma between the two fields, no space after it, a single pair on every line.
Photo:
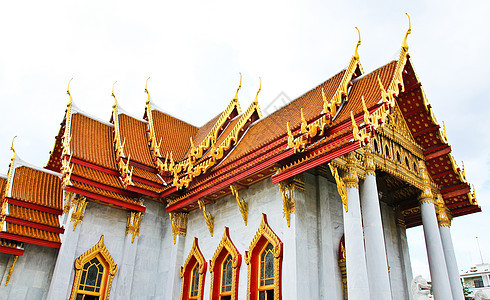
[31,275]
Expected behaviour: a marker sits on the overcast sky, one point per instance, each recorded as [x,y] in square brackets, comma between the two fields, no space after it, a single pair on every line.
[194,51]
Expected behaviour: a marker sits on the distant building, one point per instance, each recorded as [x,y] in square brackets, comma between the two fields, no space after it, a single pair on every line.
[477,278]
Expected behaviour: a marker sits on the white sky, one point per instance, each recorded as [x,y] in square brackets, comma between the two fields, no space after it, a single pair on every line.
[194,50]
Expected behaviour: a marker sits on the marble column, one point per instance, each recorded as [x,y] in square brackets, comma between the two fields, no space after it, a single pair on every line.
[437,263]
[444,219]
[62,280]
[377,265]
[357,276]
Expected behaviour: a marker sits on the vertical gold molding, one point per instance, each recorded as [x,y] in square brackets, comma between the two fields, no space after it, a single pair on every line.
[443,214]
[179,224]
[207,216]
[11,270]
[369,165]
[350,178]
[133,224]
[80,203]
[242,204]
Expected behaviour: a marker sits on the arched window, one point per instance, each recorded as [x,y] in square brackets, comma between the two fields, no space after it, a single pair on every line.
[94,271]
[224,269]
[264,260]
[192,274]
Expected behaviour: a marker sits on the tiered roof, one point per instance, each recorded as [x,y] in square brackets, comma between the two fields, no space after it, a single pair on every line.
[164,159]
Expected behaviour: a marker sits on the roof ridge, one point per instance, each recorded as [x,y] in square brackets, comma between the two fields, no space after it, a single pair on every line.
[77,110]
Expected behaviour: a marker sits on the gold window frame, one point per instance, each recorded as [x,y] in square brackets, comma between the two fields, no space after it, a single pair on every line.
[98,250]
[199,258]
[226,245]
[264,232]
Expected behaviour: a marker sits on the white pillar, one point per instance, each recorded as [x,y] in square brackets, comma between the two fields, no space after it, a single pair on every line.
[357,277]
[448,248]
[126,268]
[437,263]
[377,265]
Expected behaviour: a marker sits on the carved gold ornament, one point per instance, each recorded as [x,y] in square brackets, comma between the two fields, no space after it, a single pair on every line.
[4,205]
[179,224]
[80,203]
[100,251]
[369,165]
[226,245]
[287,192]
[242,204]
[426,196]
[443,214]
[152,140]
[341,188]
[133,224]
[207,216]
[67,201]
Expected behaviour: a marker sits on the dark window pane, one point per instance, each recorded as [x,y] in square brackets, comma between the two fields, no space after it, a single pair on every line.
[262,295]
[92,275]
[79,297]
[84,274]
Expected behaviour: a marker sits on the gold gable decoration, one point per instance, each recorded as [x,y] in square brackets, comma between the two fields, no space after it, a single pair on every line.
[126,174]
[152,140]
[109,271]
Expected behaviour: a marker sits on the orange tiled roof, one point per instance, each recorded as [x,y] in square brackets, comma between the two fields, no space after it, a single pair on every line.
[97,176]
[133,131]
[102,192]
[147,175]
[37,187]
[33,215]
[204,130]
[174,133]
[32,232]
[92,141]
[3,183]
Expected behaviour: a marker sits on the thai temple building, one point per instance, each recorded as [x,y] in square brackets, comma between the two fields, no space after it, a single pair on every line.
[310,202]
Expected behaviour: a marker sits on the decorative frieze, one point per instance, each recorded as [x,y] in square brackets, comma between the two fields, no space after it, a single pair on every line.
[242,204]
[133,224]
[350,178]
[179,223]
[79,205]
[207,216]
[369,165]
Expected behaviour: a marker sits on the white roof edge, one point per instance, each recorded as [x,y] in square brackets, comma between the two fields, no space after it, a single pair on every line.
[75,109]
[3,176]
[19,162]
[122,111]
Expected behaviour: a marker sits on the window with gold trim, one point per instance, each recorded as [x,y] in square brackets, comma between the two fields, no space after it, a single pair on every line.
[264,260]
[224,269]
[192,274]
[94,271]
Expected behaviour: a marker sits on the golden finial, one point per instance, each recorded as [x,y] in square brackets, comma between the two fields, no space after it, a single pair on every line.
[146,90]
[356,55]
[113,95]
[192,143]
[404,44]
[444,134]
[239,87]
[260,88]
[12,145]
[68,92]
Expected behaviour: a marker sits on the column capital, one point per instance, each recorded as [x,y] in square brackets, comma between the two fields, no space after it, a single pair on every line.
[369,165]
[443,214]
[426,196]
[350,177]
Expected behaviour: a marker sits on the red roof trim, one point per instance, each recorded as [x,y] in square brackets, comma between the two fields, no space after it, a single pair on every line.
[104,199]
[95,167]
[34,225]
[29,240]
[143,191]
[102,186]
[13,251]
[34,206]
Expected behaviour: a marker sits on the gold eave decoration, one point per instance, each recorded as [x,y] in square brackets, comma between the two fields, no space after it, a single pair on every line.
[426,196]
[4,207]
[126,174]
[341,188]
[287,192]
[207,216]
[443,214]
[242,204]
[79,203]
[179,224]
[66,168]
[98,248]
[216,153]
[133,224]
[11,270]
[152,140]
